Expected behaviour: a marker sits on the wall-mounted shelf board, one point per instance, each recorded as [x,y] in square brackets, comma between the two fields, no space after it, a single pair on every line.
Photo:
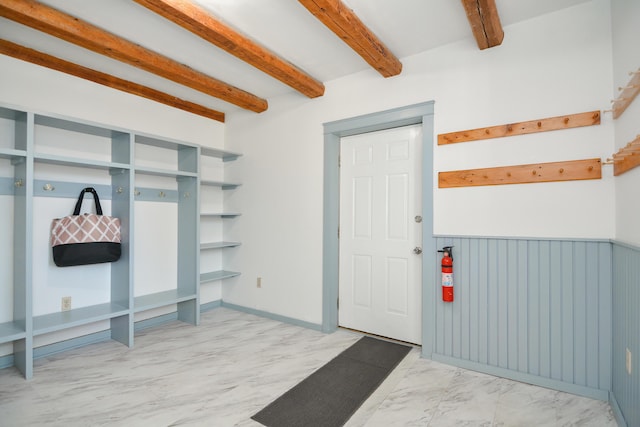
[221,214]
[217,275]
[628,94]
[163,172]
[10,153]
[522,174]
[226,156]
[162,299]
[218,245]
[532,126]
[77,317]
[77,162]
[223,185]
[76,126]
[11,331]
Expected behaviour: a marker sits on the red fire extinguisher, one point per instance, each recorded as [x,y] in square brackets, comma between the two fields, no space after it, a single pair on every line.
[447,274]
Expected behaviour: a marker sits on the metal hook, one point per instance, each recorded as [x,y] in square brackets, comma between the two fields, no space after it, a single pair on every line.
[161,194]
[19,183]
[48,187]
[119,190]
[187,195]
[137,193]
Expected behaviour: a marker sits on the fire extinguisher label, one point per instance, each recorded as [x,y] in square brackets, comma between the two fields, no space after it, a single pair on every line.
[447,279]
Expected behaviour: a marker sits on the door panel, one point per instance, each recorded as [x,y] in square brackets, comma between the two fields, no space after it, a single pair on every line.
[380,194]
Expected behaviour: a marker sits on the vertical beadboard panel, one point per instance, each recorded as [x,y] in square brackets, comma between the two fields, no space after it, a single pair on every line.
[544,306]
[626,331]
[535,307]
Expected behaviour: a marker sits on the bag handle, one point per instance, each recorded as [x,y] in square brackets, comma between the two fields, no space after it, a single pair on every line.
[96,199]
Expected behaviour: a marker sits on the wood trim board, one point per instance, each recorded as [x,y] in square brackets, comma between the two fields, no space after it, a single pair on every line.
[522,174]
[532,126]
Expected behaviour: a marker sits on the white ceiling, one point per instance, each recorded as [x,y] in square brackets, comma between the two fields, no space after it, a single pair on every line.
[284,26]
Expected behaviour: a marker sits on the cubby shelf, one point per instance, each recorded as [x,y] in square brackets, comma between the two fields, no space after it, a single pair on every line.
[82,163]
[77,317]
[9,153]
[164,172]
[162,299]
[226,156]
[218,245]
[217,275]
[11,331]
[221,214]
[128,169]
[223,185]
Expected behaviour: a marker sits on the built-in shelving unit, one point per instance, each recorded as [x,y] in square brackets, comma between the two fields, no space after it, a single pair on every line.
[217,275]
[55,157]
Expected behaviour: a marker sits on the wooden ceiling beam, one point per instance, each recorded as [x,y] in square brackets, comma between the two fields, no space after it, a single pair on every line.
[199,22]
[58,24]
[39,58]
[336,16]
[485,22]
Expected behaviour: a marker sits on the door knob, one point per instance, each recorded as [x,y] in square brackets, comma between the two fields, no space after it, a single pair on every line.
[417,250]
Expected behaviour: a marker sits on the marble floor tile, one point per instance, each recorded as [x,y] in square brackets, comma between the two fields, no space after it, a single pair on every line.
[232,365]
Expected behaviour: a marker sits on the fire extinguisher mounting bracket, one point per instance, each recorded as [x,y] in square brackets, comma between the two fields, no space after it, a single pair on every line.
[447,251]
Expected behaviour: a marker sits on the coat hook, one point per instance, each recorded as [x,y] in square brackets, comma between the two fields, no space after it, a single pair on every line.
[187,195]
[19,183]
[629,87]
[48,187]
[161,194]
[137,192]
[119,190]
[609,161]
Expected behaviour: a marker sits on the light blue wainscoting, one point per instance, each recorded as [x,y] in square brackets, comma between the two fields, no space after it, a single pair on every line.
[537,311]
[626,332]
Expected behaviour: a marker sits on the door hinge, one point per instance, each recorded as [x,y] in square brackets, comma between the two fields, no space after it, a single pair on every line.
[339,161]
[338,302]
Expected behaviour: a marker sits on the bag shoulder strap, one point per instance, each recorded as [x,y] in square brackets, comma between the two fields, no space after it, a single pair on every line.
[96,199]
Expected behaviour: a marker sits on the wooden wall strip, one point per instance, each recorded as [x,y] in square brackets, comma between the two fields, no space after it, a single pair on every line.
[627,158]
[628,94]
[520,174]
[542,125]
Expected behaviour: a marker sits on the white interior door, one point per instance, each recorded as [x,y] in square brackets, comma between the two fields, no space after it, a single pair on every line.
[380,197]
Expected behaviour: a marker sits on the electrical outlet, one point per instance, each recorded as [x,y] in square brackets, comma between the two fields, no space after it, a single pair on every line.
[628,361]
[259,282]
[66,304]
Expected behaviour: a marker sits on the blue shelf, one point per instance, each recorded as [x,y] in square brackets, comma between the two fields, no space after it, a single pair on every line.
[162,299]
[222,214]
[77,317]
[218,245]
[10,153]
[81,163]
[11,331]
[223,185]
[226,156]
[217,275]
[163,172]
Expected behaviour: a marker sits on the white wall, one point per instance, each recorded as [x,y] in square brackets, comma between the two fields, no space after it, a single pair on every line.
[554,65]
[36,88]
[626,58]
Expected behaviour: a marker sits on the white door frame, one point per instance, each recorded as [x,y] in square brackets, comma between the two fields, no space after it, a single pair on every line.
[333,131]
